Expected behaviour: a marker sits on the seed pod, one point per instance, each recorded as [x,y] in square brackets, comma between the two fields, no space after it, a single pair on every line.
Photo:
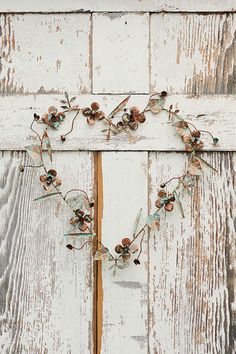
[119,249]
[169,207]
[95,106]
[126,241]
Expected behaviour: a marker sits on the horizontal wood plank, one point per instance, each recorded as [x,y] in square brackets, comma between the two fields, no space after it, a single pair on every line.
[193,54]
[44,53]
[120,5]
[46,290]
[155,134]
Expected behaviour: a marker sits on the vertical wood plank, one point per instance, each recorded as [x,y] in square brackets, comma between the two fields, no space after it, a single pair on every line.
[193,54]
[192,262]
[44,53]
[125,295]
[120,53]
[46,290]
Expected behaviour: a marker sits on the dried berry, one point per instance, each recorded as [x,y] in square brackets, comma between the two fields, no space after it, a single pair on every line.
[69,246]
[63,137]
[163,93]
[21,168]
[136,261]
[162,185]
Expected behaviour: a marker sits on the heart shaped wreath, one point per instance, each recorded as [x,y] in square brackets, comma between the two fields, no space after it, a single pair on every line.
[80,203]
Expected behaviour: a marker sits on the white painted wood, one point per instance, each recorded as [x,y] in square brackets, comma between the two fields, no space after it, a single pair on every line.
[192,262]
[125,191]
[120,5]
[44,53]
[120,53]
[155,134]
[193,53]
[46,290]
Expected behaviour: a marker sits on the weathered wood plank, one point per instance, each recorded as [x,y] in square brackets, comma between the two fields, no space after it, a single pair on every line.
[125,191]
[121,5]
[193,54]
[155,134]
[46,290]
[192,262]
[120,46]
[44,53]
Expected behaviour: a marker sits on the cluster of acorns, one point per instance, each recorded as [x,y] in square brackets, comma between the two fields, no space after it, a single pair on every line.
[131,119]
[192,141]
[93,113]
[165,200]
[126,248]
[81,220]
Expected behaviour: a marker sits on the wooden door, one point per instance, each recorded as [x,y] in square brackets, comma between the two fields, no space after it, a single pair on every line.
[181,299]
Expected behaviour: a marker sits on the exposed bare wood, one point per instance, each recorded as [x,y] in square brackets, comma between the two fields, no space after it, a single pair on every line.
[155,134]
[194,54]
[46,290]
[121,5]
[44,53]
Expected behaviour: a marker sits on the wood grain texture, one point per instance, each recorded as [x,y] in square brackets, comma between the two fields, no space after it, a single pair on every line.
[125,191]
[46,290]
[44,53]
[118,5]
[120,46]
[192,262]
[155,134]
[193,54]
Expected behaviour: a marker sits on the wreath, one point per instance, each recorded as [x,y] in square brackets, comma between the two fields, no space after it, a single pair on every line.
[130,248]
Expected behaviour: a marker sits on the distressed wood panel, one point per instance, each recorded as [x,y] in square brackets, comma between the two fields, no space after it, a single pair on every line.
[124,315]
[46,290]
[121,5]
[192,262]
[120,53]
[44,53]
[193,53]
[155,134]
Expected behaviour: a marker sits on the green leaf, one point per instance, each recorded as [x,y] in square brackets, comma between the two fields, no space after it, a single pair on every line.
[207,164]
[153,221]
[104,130]
[119,107]
[72,99]
[46,196]
[80,234]
[47,144]
[63,101]
[78,202]
[136,223]
[34,151]
[64,107]
[179,204]
[156,104]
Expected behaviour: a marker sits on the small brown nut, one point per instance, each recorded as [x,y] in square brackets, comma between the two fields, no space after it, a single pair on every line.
[134,111]
[126,241]
[169,207]
[119,249]
[162,193]
[95,106]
